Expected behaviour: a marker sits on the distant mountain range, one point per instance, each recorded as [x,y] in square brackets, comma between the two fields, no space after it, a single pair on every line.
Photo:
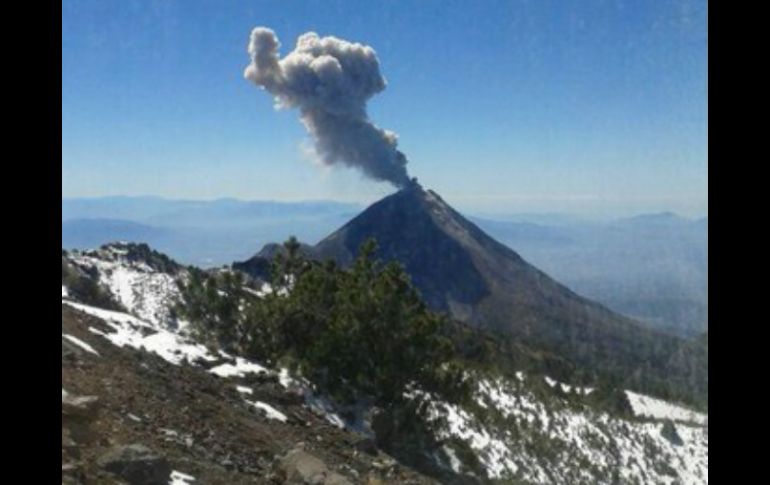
[652,267]
[203,233]
[185,213]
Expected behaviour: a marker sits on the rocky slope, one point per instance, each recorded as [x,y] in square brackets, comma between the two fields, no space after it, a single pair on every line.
[219,423]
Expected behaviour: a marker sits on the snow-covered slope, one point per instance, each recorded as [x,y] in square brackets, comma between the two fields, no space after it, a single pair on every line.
[128,330]
[518,436]
[144,291]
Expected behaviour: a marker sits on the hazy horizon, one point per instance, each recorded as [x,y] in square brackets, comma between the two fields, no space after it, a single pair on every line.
[501,211]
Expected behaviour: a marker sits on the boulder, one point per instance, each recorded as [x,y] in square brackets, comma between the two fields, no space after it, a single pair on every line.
[301,467]
[78,413]
[83,407]
[136,464]
[669,431]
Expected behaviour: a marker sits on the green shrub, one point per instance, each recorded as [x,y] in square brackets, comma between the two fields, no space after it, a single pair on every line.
[361,333]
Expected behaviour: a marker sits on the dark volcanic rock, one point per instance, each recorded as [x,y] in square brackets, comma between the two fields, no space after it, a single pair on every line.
[260,265]
[257,267]
[410,227]
[366,445]
[668,431]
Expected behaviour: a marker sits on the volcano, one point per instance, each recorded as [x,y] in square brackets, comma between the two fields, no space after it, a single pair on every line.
[462,271]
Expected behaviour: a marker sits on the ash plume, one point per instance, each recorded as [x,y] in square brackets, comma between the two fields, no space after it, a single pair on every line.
[330,81]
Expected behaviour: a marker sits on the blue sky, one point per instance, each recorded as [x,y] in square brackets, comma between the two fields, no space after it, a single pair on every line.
[590,106]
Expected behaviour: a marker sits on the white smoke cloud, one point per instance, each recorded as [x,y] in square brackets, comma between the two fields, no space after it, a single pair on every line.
[330,80]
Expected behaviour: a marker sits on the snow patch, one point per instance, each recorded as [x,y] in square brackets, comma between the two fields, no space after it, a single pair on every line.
[240,369]
[143,291]
[263,291]
[271,412]
[650,407]
[454,462]
[179,478]
[317,403]
[286,380]
[567,388]
[80,343]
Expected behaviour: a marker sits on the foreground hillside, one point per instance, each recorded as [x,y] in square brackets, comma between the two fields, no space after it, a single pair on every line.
[221,418]
[215,428]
